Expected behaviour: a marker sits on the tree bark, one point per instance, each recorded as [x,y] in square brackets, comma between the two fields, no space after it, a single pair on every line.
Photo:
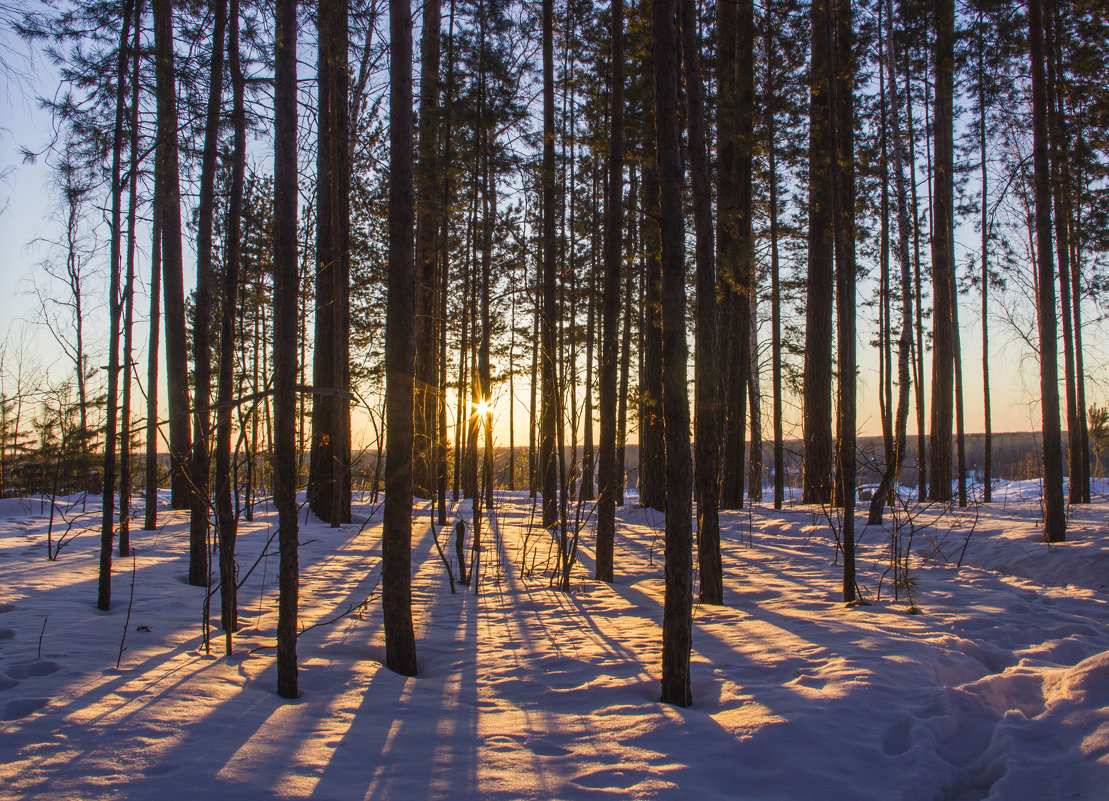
[891,477]
[226,524]
[548,466]
[285,340]
[202,310]
[1055,521]
[396,557]
[129,297]
[677,616]
[107,522]
[610,319]
[820,288]
[329,470]
[943,265]
[706,357]
[173,288]
[428,224]
[843,201]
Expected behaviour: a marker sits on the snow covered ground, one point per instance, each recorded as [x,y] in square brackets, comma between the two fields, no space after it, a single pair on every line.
[998,688]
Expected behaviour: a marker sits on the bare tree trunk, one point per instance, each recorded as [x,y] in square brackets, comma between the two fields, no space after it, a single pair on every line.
[677,616]
[987,458]
[150,521]
[285,340]
[841,79]
[610,318]
[918,294]
[960,434]
[820,287]
[428,225]
[202,310]
[177,369]
[129,299]
[905,340]
[943,264]
[706,356]
[1055,521]
[619,472]
[754,402]
[1058,154]
[771,90]
[735,242]
[226,525]
[329,471]
[396,567]
[652,444]
[549,411]
[107,531]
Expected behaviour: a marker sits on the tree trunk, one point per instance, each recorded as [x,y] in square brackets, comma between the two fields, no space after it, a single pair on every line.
[202,310]
[820,288]
[891,477]
[677,616]
[706,357]
[775,279]
[842,60]
[226,525]
[396,564]
[619,477]
[613,237]
[943,265]
[1055,522]
[754,402]
[918,294]
[1058,154]
[735,243]
[329,470]
[285,289]
[987,457]
[107,523]
[428,224]
[652,446]
[548,466]
[129,299]
[177,368]
[150,520]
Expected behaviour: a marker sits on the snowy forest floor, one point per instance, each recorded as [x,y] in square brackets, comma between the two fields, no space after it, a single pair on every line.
[998,688]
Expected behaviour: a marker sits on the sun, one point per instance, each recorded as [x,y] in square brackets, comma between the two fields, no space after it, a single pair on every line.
[483,407]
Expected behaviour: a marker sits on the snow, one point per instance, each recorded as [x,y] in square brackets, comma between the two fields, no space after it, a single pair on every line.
[997,689]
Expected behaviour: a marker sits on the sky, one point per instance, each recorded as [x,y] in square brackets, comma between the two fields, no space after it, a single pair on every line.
[27,206]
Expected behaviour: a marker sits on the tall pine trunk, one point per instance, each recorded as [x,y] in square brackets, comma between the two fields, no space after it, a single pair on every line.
[706,357]
[843,201]
[173,287]
[226,525]
[107,523]
[548,466]
[820,287]
[775,278]
[1055,521]
[202,309]
[677,616]
[892,474]
[428,224]
[150,519]
[129,298]
[329,470]
[943,263]
[396,555]
[285,290]
[987,419]
[610,317]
